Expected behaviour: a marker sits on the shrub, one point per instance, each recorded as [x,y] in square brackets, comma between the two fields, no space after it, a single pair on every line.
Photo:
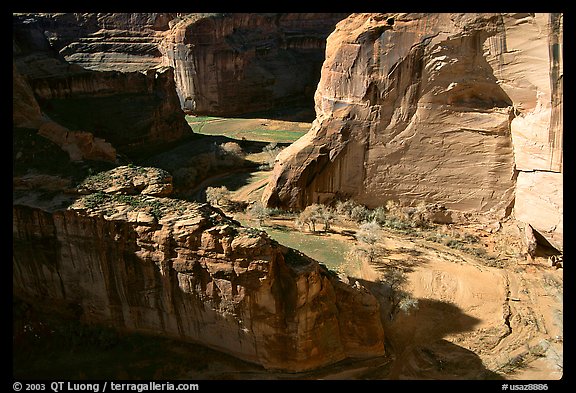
[218,196]
[259,211]
[233,149]
[272,150]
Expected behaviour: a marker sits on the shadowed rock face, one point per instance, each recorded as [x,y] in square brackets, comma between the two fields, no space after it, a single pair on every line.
[179,269]
[229,64]
[127,109]
[434,108]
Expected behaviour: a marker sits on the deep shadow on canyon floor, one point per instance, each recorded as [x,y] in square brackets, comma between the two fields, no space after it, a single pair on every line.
[51,346]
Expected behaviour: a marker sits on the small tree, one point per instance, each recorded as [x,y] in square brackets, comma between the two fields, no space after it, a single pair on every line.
[218,196]
[400,299]
[272,150]
[260,212]
[368,232]
[367,236]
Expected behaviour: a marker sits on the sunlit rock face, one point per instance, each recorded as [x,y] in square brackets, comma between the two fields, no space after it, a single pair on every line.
[456,109]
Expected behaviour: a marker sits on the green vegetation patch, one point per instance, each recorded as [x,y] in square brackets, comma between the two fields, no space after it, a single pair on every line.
[329,251]
[248,129]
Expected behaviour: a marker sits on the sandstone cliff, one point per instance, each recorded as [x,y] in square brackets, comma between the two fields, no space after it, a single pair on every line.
[126,42]
[174,268]
[230,64]
[458,109]
[225,64]
[127,109]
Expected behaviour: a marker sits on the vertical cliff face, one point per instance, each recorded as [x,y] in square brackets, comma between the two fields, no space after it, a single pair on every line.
[526,56]
[229,64]
[163,266]
[411,107]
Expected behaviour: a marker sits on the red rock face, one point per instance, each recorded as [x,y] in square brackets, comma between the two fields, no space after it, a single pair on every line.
[424,107]
[194,275]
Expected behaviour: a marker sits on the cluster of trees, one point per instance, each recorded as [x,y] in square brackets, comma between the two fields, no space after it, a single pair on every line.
[314,214]
[367,249]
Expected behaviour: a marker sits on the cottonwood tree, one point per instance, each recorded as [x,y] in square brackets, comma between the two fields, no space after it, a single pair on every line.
[317,213]
[258,211]
[400,299]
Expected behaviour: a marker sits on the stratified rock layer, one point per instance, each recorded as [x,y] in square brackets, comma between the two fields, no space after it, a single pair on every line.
[179,269]
[127,109]
[436,108]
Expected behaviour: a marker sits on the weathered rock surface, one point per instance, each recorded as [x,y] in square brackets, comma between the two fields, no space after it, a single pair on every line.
[127,109]
[184,270]
[228,64]
[129,180]
[441,108]
[526,56]
[126,42]
[225,64]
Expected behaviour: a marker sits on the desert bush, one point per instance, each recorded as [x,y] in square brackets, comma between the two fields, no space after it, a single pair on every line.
[218,196]
[233,150]
[272,150]
[258,211]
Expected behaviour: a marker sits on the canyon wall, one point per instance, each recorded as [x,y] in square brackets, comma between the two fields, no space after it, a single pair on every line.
[458,109]
[128,109]
[161,266]
[125,42]
[230,64]
[224,64]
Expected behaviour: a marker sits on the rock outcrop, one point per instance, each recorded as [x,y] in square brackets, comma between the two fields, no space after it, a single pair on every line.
[164,266]
[442,108]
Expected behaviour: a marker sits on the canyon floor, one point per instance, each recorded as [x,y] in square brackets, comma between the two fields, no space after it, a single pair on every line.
[477,318]
[473,321]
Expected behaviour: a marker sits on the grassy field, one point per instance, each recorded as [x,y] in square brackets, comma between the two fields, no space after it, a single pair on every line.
[261,130]
[324,249]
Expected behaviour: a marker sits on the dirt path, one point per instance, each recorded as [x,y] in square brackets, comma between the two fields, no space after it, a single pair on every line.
[248,192]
